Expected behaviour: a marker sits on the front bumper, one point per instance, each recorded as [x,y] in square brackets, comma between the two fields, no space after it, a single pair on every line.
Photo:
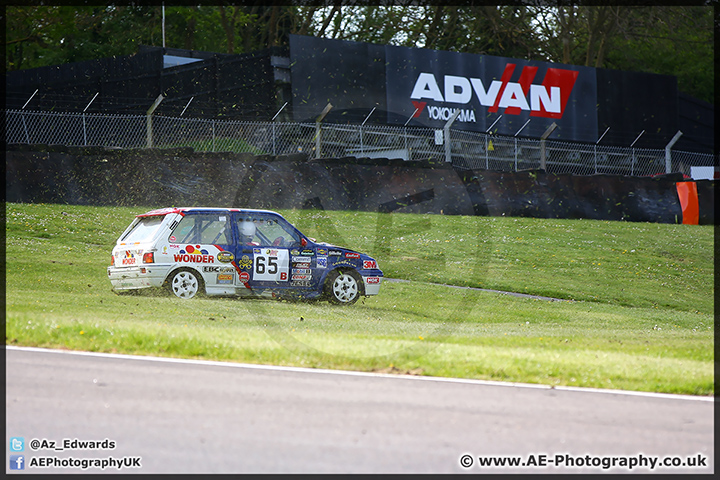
[372,284]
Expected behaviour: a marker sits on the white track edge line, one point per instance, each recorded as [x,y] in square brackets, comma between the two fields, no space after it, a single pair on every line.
[363,374]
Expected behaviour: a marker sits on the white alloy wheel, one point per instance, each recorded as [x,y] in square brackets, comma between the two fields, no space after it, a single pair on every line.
[185,284]
[345,288]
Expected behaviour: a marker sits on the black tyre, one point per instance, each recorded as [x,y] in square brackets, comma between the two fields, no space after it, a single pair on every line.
[185,283]
[343,287]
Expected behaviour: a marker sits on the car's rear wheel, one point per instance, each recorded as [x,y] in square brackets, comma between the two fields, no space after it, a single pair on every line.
[343,287]
[185,284]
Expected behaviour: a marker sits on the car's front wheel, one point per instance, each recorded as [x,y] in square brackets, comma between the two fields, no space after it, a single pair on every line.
[343,287]
[185,284]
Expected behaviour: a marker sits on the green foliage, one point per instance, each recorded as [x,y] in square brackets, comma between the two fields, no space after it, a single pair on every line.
[41,36]
[678,41]
[615,333]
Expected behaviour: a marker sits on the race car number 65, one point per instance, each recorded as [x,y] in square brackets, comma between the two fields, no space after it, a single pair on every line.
[272,266]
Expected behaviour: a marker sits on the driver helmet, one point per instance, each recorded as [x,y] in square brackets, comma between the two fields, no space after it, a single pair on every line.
[247,229]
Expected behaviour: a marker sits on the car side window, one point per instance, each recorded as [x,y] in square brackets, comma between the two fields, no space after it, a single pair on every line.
[205,229]
[273,234]
[267,231]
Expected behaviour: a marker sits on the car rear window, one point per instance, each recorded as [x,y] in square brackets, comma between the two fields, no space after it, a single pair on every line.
[144,230]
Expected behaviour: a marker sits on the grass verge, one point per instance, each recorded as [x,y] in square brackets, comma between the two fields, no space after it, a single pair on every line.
[637,311]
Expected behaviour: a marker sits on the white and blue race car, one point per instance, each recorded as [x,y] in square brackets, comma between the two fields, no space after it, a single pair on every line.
[240,252]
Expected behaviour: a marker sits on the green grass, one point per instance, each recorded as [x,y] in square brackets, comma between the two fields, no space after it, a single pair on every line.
[637,311]
[218,145]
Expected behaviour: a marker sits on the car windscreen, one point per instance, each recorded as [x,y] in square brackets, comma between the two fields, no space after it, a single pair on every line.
[144,230]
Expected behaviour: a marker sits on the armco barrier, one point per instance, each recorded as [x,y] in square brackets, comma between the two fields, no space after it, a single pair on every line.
[599,197]
[155,178]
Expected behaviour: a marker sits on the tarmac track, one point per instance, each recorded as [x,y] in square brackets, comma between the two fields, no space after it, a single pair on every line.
[185,416]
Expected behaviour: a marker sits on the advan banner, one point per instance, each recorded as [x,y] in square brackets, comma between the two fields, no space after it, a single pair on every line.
[513,96]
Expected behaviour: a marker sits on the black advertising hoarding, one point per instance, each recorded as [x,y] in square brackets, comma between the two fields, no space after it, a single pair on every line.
[349,75]
[434,84]
[398,80]
[637,105]
[513,96]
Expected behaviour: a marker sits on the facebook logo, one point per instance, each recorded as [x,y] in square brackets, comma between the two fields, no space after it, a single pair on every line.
[17,462]
[17,444]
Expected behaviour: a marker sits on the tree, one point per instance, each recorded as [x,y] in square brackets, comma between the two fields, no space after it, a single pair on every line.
[672,41]
[675,40]
[40,36]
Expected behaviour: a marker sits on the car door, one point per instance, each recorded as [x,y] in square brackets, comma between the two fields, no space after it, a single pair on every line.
[199,240]
[263,250]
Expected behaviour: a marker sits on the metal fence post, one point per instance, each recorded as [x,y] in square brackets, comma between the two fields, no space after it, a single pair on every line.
[273,128]
[486,153]
[595,156]
[186,105]
[22,116]
[318,140]
[148,120]
[632,161]
[596,144]
[406,134]
[405,143]
[83,116]
[27,135]
[545,135]
[318,130]
[668,158]
[28,100]
[362,148]
[273,139]
[516,147]
[446,131]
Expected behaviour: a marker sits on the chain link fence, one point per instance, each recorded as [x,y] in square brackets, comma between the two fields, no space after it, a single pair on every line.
[470,150]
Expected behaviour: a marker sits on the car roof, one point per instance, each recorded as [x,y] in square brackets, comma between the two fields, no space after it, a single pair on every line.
[184,210]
